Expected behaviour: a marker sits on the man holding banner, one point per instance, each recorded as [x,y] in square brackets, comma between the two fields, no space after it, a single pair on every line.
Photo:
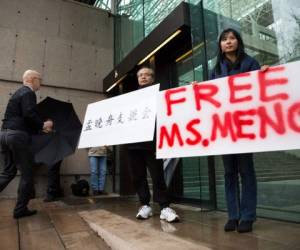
[142,156]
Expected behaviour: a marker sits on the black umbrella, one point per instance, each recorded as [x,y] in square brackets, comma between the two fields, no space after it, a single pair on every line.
[55,146]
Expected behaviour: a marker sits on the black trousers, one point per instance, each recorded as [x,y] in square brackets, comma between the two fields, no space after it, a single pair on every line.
[53,187]
[241,204]
[140,160]
[17,155]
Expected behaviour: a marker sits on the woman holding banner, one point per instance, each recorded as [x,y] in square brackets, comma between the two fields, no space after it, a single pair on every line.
[231,60]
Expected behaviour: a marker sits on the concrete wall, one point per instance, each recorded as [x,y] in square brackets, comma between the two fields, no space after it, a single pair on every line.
[71,44]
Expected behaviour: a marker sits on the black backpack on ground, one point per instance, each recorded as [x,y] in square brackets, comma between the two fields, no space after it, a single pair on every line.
[80,188]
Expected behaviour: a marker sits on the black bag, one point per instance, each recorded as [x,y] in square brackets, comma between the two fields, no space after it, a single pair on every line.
[80,188]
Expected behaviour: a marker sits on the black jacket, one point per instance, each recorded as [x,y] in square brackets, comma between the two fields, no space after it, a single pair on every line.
[21,112]
[248,63]
[148,145]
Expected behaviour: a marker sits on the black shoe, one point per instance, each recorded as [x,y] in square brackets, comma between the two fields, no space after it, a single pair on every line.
[50,198]
[32,194]
[24,213]
[95,192]
[245,226]
[60,194]
[231,225]
[102,193]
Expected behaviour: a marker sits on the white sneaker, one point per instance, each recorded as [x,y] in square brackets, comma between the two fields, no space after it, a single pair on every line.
[144,212]
[169,215]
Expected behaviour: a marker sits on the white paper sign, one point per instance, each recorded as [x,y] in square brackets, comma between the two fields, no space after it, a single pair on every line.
[250,112]
[123,119]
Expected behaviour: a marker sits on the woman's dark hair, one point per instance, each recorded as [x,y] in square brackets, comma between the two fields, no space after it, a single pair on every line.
[240,52]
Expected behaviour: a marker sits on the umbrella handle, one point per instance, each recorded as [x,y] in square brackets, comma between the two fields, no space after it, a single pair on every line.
[49,132]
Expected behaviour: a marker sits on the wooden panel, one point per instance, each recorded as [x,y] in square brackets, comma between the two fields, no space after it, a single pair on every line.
[37,231]
[84,240]
[83,61]
[57,62]
[37,222]
[7,42]
[8,225]
[8,13]
[46,239]
[7,206]
[29,21]
[6,222]
[68,222]
[30,49]
[9,237]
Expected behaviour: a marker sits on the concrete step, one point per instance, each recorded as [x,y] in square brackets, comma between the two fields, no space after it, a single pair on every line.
[121,233]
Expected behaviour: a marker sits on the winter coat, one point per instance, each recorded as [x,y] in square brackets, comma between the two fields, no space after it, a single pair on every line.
[247,64]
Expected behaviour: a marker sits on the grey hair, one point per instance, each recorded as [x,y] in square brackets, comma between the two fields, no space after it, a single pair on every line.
[28,74]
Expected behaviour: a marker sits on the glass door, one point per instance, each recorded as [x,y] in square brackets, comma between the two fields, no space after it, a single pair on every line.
[194,179]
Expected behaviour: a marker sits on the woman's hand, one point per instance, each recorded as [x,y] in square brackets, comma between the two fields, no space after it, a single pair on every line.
[264,68]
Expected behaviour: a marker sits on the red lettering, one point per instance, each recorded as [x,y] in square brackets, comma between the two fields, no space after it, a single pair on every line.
[265,120]
[264,83]
[225,128]
[234,87]
[175,134]
[240,123]
[194,132]
[205,92]
[205,143]
[294,111]
[170,101]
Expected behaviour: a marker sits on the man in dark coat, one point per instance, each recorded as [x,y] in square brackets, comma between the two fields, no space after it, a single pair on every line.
[20,121]
[142,156]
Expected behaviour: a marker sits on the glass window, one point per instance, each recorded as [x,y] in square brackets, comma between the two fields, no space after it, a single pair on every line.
[271,33]
[129,27]
[156,11]
[103,4]
[136,19]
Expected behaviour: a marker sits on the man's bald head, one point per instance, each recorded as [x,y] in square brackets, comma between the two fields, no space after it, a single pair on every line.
[32,79]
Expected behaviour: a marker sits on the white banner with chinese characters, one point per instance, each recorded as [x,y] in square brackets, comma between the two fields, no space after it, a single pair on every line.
[249,112]
[123,119]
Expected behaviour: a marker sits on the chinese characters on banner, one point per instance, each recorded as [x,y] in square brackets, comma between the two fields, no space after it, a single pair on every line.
[127,118]
[250,112]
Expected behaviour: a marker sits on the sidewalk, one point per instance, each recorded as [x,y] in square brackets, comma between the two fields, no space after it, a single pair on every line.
[115,222]
[75,222]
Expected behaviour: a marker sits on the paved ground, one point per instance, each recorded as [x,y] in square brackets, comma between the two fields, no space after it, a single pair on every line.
[56,226]
[59,225]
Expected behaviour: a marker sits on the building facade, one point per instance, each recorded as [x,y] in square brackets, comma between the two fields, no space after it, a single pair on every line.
[271,32]
[71,45]
[86,54]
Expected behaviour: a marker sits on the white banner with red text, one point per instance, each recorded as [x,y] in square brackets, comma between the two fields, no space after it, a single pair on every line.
[249,112]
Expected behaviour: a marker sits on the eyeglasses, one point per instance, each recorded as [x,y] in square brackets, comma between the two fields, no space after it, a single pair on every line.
[144,74]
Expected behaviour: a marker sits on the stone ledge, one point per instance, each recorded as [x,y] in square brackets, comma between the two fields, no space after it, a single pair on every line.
[124,234]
